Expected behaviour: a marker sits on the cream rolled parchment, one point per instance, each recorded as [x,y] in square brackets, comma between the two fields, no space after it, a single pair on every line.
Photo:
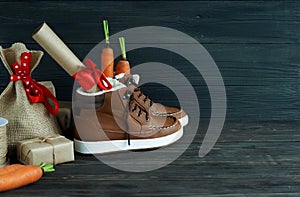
[3,141]
[57,49]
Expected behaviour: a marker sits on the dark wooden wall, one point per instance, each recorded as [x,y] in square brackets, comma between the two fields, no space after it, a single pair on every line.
[255,44]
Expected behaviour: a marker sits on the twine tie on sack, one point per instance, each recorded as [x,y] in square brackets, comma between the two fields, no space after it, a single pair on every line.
[36,92]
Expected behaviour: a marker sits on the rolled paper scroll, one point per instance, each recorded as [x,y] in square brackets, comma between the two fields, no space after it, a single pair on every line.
[3,142]
[56,48]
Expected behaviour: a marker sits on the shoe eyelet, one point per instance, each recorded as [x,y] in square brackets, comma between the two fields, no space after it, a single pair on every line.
[133,109]
[127,95]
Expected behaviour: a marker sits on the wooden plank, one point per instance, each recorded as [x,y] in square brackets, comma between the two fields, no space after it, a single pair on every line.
[238,165]
[207,21]
[256,87]
[258,79]
[239,64]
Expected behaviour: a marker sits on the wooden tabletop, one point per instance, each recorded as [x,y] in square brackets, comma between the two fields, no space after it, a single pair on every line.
[249,159]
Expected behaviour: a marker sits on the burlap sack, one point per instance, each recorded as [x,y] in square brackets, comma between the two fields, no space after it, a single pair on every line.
[26,120]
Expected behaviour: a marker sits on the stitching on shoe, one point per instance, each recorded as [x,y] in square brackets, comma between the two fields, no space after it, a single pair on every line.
[154,127]
[166,114]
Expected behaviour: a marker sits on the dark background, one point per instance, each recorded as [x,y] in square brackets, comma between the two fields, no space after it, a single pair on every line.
[254,43]
[256,46]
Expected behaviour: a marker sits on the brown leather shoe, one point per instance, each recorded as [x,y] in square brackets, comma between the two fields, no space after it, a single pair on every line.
[156,109]
[122,124]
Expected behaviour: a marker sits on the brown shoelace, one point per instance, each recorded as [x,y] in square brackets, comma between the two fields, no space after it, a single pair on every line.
[136,107]
[145,97]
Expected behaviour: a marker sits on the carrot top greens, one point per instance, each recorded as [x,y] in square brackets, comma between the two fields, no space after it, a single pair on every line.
[47,167]
[106,31]
[122,46]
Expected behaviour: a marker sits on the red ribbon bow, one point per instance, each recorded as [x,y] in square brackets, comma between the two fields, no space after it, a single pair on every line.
[36,92]
[91,76]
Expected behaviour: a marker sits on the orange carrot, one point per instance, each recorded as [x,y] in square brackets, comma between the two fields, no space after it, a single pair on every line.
[107,62]
[23,176]
[10,168]
[107,55]
[123,65]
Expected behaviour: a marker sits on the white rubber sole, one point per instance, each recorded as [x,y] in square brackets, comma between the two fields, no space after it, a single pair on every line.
[102,147]
[184,120]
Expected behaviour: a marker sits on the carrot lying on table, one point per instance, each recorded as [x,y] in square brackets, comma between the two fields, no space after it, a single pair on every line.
[107,55]
[123,65]
[10,168]
[23,176]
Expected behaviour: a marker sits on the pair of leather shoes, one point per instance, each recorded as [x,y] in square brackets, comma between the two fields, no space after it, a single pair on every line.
[126,119]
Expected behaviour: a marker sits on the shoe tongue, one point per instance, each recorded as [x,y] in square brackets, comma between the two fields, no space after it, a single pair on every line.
[123,78]
[136,78]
